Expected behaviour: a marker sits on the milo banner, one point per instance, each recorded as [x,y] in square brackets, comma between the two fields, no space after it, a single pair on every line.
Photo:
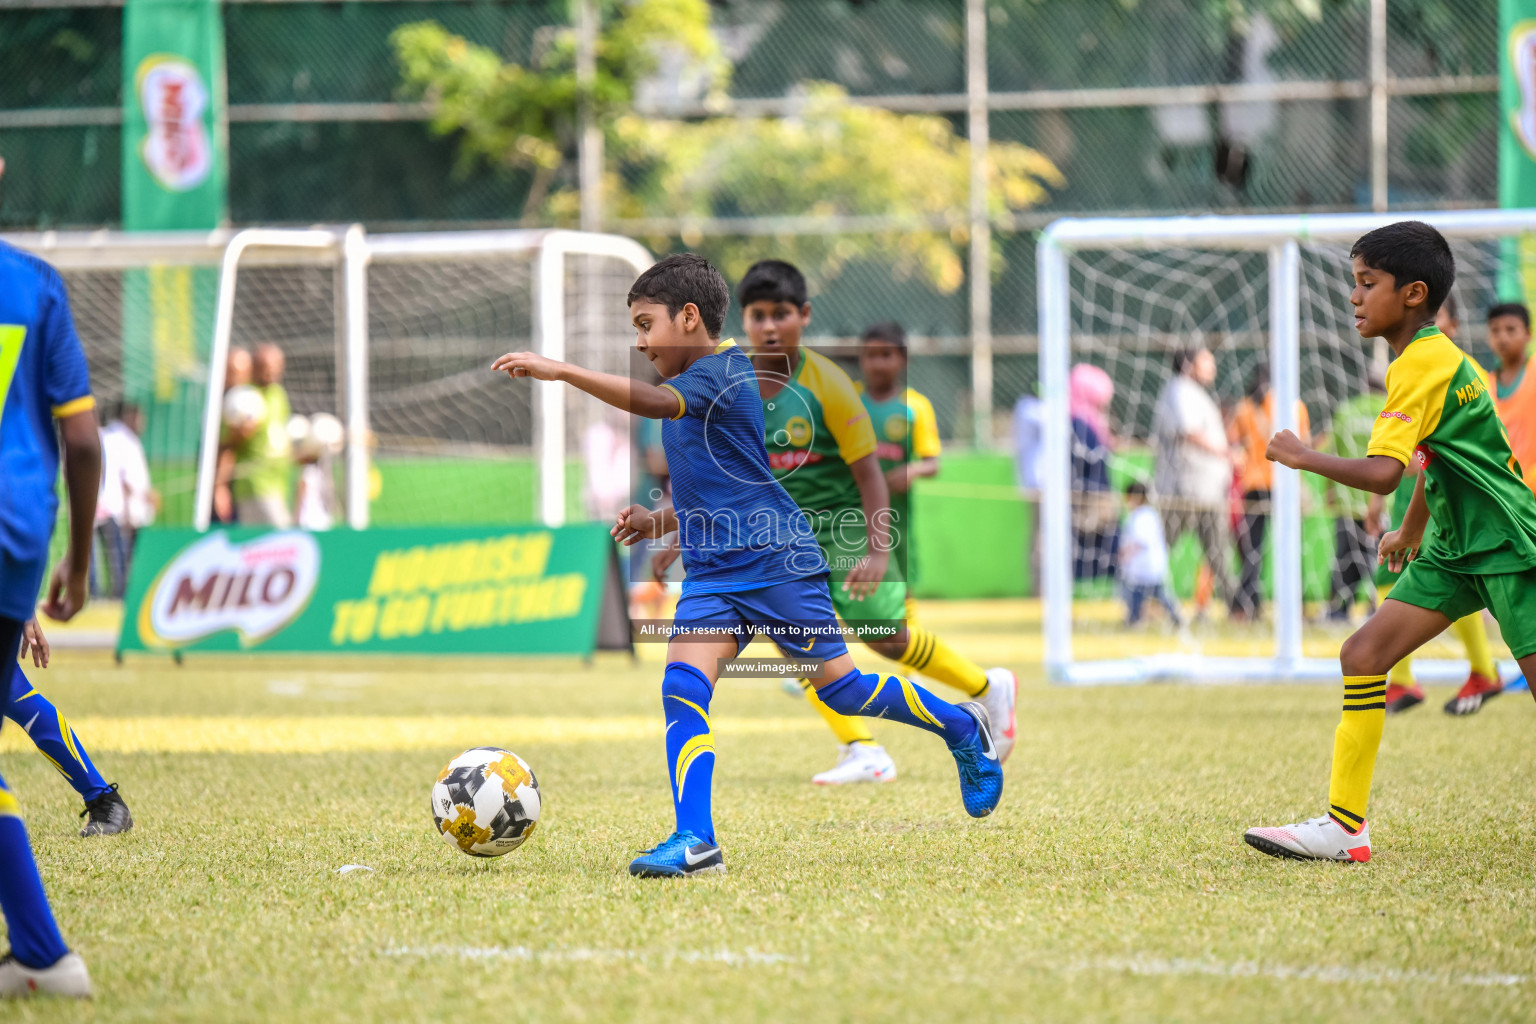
[503,590]
[1517,141]
[175,177]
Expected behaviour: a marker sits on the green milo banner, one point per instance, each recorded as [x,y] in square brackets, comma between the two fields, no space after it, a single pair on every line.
[506,590]
[1517,141]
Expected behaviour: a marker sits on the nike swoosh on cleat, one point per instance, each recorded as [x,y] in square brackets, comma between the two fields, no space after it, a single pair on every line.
[701,858]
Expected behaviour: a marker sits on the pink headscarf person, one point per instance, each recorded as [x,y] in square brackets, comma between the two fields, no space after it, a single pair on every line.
[1089,391]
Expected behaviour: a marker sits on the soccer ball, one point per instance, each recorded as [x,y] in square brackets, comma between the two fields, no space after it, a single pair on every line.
[486,802]
[243,406]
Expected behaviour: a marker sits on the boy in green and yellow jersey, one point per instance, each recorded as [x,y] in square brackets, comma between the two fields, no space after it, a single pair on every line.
[825,451]
[1480,547]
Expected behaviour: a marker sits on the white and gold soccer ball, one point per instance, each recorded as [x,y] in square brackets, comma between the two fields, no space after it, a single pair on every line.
[486,802]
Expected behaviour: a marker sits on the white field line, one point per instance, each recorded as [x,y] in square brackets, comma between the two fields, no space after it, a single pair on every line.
[731,958]
[1157,967]
[321,734]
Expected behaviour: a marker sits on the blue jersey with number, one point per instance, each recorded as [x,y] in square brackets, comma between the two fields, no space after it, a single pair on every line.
[739,529]
[42,376]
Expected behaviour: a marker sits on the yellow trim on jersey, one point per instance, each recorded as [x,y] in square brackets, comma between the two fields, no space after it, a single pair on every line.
[76,405]
[727,343]
[1417,382]
[682,403]
[9,808]
[841,406]
[925,425]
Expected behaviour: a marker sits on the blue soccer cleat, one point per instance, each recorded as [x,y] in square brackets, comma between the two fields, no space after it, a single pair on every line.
[981,773]
[682,855]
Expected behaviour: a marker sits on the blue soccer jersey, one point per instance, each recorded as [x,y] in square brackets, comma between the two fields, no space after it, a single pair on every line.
[43,375]
[738,528]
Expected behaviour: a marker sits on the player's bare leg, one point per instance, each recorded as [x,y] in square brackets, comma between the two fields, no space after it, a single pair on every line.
[1396,630]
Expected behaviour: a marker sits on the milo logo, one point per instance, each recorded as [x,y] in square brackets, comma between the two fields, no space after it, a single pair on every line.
[173,96]
[255,588]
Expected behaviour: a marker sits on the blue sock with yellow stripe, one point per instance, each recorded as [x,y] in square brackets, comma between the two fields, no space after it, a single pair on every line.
[872,695]
[54,738]
[685,695]
[35,938]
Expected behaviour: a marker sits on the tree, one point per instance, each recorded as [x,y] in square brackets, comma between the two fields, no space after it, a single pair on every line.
[832,158]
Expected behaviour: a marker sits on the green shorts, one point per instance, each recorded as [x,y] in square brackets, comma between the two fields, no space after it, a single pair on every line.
[1510,596]
[872,615]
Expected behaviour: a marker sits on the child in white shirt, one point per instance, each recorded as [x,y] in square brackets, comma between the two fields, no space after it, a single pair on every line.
[1144,558]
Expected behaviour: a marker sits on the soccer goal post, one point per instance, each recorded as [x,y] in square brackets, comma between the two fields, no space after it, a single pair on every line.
[395,333]
[1126,295]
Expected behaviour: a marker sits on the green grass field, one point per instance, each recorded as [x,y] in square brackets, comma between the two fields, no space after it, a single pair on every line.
[1112,884]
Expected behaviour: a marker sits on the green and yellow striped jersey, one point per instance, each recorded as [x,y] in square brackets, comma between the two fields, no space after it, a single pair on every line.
[816,426]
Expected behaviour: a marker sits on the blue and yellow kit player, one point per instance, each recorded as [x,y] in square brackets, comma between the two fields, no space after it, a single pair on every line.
[43,381]
[1468,537]
[752,562]
[824,448]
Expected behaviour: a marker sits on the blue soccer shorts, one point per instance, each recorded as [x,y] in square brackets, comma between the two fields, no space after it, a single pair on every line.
[797,616]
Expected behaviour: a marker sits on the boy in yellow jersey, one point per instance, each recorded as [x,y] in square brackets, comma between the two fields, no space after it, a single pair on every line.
[1480,550]
[824,450]
[1483,679]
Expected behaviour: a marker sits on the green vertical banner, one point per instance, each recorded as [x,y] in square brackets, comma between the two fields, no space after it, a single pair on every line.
[1517,141]
[175,177]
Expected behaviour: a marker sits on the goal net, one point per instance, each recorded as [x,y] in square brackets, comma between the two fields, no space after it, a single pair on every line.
[392,334]
[1266,296]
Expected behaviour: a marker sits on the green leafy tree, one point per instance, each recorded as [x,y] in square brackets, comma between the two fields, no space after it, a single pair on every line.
[832,158]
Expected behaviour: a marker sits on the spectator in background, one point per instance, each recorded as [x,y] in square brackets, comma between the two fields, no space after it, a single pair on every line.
[237,374]
[1253,423]
[1027,426]
[263,452]
[126,502]
[1095,514]
[1144,558]
[1193,472]
[1355,530]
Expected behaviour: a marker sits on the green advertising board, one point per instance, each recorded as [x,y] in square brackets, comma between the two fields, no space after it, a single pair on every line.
[1517,141]
[487,590]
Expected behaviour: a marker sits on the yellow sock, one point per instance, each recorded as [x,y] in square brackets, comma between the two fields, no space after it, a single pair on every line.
[927,654]
[1355,743]
[846,729]
[1473,634]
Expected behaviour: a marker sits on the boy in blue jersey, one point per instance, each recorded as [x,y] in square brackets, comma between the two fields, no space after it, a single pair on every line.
[752,561]
[43,381]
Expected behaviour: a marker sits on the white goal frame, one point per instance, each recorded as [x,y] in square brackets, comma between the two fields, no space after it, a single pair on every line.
[354,250]
[1280,236]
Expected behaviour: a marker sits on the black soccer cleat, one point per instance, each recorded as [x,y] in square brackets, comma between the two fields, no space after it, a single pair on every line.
[108,815]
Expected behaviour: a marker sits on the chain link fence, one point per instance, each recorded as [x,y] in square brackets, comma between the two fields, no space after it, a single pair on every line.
[1154,107]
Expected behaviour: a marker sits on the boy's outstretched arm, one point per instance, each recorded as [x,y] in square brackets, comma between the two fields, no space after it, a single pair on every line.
[864,577]
[632,396]
[1378,474]
[637,523]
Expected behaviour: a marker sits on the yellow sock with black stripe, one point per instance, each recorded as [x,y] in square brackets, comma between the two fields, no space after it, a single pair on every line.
[847,730]
[927,654]
[1473,633]
[1355,743]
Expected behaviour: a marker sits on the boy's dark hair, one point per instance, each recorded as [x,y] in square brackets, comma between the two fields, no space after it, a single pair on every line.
[676,280]
[1514,309]
[889,332]
[1184,358]
[1258,382]
[772,281]
[1136,489]
[1410,250]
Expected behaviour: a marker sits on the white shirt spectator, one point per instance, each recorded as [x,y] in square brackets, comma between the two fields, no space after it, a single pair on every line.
[1146,560]
[125,494]
[1184,469]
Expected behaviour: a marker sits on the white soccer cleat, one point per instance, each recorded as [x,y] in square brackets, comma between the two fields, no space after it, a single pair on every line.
[1314,839]
[1001,698]
[67,977]
[860,762]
